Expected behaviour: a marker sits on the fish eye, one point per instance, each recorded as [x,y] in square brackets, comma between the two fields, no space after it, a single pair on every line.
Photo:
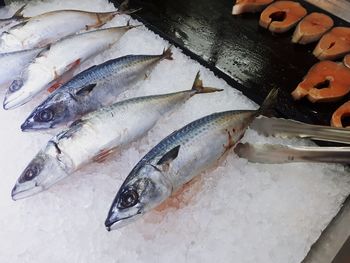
[16,85]
[30,173]
[129,198]
[46,115]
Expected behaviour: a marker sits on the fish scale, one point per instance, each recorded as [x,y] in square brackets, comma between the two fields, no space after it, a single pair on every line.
[103,72]
[195,137]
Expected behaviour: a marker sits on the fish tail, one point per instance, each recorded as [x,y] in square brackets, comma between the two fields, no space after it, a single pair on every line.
[198,86]
[124,8]
[129,26]
[268,103]
[19,13]
[167,53]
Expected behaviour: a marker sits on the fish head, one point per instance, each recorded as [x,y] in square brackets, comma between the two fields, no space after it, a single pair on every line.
[142,190]
[15,95]
[42,172]
[49,114]
[33,80]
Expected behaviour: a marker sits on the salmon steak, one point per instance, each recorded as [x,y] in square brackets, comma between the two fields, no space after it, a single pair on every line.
[281,16]
[346,60]
[333,45]
[249,6]
[338,116]
[326,81]
[311,28]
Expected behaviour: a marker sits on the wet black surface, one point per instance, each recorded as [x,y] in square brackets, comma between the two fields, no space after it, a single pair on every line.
[344,254]
[237,49]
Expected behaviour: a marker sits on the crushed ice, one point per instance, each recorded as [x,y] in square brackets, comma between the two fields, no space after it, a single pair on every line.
[238,212]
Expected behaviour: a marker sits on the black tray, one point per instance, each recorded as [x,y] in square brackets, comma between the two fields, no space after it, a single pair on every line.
[237,49]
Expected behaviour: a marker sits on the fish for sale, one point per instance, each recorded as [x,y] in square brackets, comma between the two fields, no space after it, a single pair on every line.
[177,159]
[96,136]
[281,16]
[346,61]
[249,6]
[41,30]
[335,44]
[17,18]
[61,58]
[311,28]
[91,89]
[12,64]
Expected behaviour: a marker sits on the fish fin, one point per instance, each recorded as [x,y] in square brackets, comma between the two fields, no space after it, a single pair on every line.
[85,90]
[129,26]
[167,53]
[42,52]
[183,196]
[45,43]
[19,13]
[124,8]
[103,155]
[269,101]
[69,133]
[60,80]
[169,156]
[77,122]
[97,25]
[198,86]
[230,141]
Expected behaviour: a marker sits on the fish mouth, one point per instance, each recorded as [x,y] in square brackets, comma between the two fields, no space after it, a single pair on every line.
[113,222]
[21,191]
[13,93]
[27,126]
[30,125]
[15,100]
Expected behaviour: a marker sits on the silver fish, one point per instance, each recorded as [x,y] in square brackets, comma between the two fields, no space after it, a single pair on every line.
[51,64]
[177,159]
[17,18]
[96,136]
[91,89]
[12,64]
[47,28]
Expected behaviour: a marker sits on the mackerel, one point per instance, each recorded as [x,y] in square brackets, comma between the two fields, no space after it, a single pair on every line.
[177,159]
[91,89]
[96,136]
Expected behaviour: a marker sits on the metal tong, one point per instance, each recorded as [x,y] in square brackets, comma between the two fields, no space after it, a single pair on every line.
[275,153]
